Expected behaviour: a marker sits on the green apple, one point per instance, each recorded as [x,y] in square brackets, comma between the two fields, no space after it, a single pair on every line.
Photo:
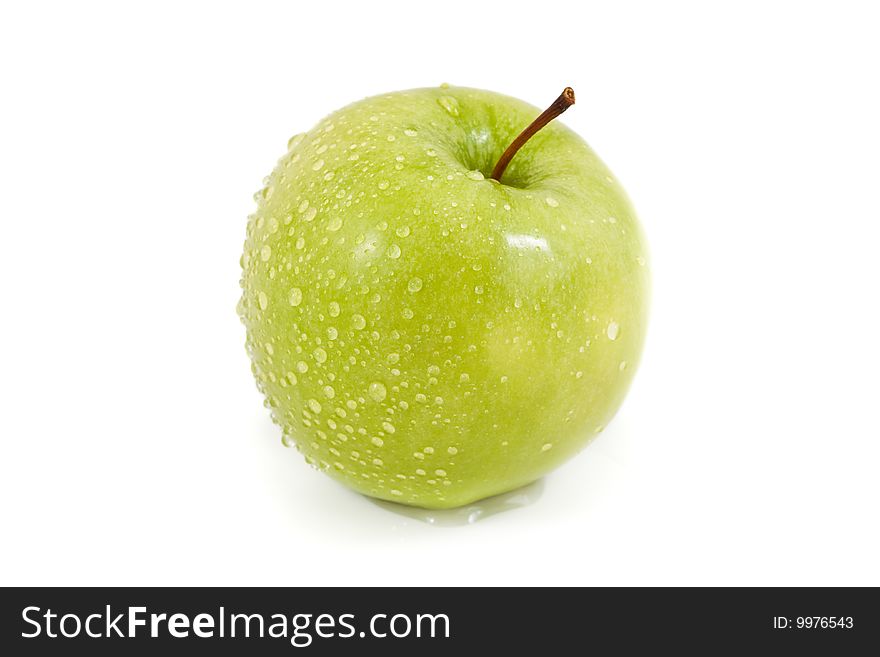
[424,333]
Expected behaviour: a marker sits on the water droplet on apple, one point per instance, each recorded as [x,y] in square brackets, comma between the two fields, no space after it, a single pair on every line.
[546,446]
[396,492]
[296,296]
[310,214]
[358,321]
[552,202]
[452,451]
[409,132]
[332,333]
[613,330]
[394,251]
[263,300]
[302,367]
[329,392]
[377,391]
[475,175]
[402,231]
[440,472]
[450,104]
[334,309]
[378,442]
[388,427]
[622,365]
[314,405]
[318,165]
[295,141]
[320,355]
[415,284]
[334,224]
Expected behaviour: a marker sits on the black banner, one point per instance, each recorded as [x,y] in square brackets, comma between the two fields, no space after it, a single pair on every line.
[333,621]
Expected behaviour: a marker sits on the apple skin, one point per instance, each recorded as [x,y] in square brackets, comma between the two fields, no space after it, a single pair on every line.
[424,334]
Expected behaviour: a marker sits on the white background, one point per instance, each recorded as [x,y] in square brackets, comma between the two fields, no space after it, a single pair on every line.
[135,449]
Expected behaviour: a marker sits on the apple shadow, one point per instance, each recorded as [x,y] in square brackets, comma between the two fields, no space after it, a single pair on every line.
[470,513]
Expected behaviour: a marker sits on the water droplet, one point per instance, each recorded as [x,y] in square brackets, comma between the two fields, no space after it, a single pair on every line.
[415,284]
[358,321]
[332,333]
[622,365]
[407,313]
[265,252]
[377,391]
[263,300]
[317,165]
[440,472]
[478,289]
[334,224]
[320,355]
[310,214]
[291,378]
[303,206]
[449,103]
[546,447]
[334,309]
[396,492]
[578,374]
[388,427]
[402,231]
[612,220]
[475,175]
[409,132]
[314,405]
[295,141]
[552,202]
[378,442]
[452,450]
[302,367]
[394,252]
[393,358]
[383,185]
[329,392]
[613,330]
[433,370]
[296,296]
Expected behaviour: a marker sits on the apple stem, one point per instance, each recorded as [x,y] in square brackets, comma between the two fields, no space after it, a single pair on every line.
[565,100]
